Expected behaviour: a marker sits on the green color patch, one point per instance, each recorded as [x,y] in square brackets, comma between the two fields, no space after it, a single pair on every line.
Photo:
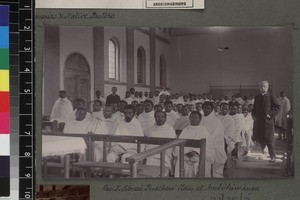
[4,56]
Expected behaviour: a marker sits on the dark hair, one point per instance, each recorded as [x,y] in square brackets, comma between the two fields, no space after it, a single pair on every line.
[158,111]
[148,101]
[224,104]
[197,113]
[208,103]
[79,109]
[122,101]
[98,101]
[169,102]
[127,107]
[79,100]
[62,91]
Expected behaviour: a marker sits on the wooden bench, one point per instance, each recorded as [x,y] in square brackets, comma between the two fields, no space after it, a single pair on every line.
[135,162]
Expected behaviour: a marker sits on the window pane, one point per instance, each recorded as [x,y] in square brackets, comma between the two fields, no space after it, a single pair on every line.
[139,66]
[112,57]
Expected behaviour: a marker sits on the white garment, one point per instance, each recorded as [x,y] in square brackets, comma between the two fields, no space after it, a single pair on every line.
[216,130]
[61,110]
[97,115]
[118,116]
[178,101]
[196,133]
[128,100]
[250,101]
[281,117]
[182,122]
[132,128]
[172,117]
[75,126]
[103,101]
[229,130]
[155,100]
[147,120]
[247,135]
[239,126]
[164,131]
[164,92]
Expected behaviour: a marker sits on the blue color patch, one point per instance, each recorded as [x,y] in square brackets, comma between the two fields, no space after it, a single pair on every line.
[4,33]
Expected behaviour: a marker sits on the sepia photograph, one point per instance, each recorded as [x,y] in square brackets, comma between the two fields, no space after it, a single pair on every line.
[155,102]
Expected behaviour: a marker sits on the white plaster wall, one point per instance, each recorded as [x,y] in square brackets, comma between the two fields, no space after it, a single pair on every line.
[162,48]
[77,40]
[118,33]
[253,56]
[142,39]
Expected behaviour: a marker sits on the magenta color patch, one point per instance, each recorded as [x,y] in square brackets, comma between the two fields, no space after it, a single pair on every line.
[4,123]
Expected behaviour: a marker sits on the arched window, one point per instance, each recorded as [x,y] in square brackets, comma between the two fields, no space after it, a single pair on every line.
[162,71]
[113,59]
[141,65]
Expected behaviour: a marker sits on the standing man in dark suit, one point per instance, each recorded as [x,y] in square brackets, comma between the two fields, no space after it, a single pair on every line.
[265,108]
[113,98]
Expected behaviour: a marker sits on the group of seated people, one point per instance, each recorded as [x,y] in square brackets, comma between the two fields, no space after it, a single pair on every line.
[223,124]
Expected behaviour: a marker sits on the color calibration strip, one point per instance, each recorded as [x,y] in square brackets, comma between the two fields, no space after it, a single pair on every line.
[4,103]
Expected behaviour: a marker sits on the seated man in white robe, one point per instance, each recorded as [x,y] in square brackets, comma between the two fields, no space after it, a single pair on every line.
[172,116]
[97,110]
[78,103]
[228,125]
[61,110]
[79,124]
[119,114]
[162,130]
[147,117]
[195,131]
[184,120]
[130,126]
[216,130]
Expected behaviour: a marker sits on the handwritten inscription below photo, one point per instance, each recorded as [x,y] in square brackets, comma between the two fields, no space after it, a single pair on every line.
[138,102]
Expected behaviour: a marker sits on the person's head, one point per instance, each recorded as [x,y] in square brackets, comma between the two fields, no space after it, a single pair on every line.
[217,108]
[79,103]
[129,113]
[115,107]
[108,111]
[139,109]
[80,114]
[156,93]
[160,117]
[250,107]
[245,98]
[162,98]
[207,108]
[172,96]
[245,110]
[176,96]
[282,94]
[210,96]
[204,96]
[195,118]
[168,106]
[62,94]
[233,97]
[191,97]
[158,107]
[251,97]
[185,110]
[199,106]
[179,107]
[140,94]
[98,93]
[239,108]
[164,88]
[114,90]
[220,97]
[226,98]
[121,105]
[263,87]
[132,91]
[136,94]
[148,106]
[146,94]
[185,97]
[97,106]
[134,103]
[167,98]
[127,94]
[191,107]
[224,107]
[151,95]
[233,109]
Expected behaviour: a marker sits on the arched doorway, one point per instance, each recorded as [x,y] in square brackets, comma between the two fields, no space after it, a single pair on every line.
[77,78]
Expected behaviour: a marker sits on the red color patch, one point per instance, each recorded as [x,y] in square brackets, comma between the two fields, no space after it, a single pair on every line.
[4,101]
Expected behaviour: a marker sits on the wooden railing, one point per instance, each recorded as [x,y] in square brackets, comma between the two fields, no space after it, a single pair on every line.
[165,143]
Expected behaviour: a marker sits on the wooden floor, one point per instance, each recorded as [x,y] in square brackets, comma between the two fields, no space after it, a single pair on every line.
[255,165]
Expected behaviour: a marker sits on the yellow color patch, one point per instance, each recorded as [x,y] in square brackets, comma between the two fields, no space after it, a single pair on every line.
[4,80]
